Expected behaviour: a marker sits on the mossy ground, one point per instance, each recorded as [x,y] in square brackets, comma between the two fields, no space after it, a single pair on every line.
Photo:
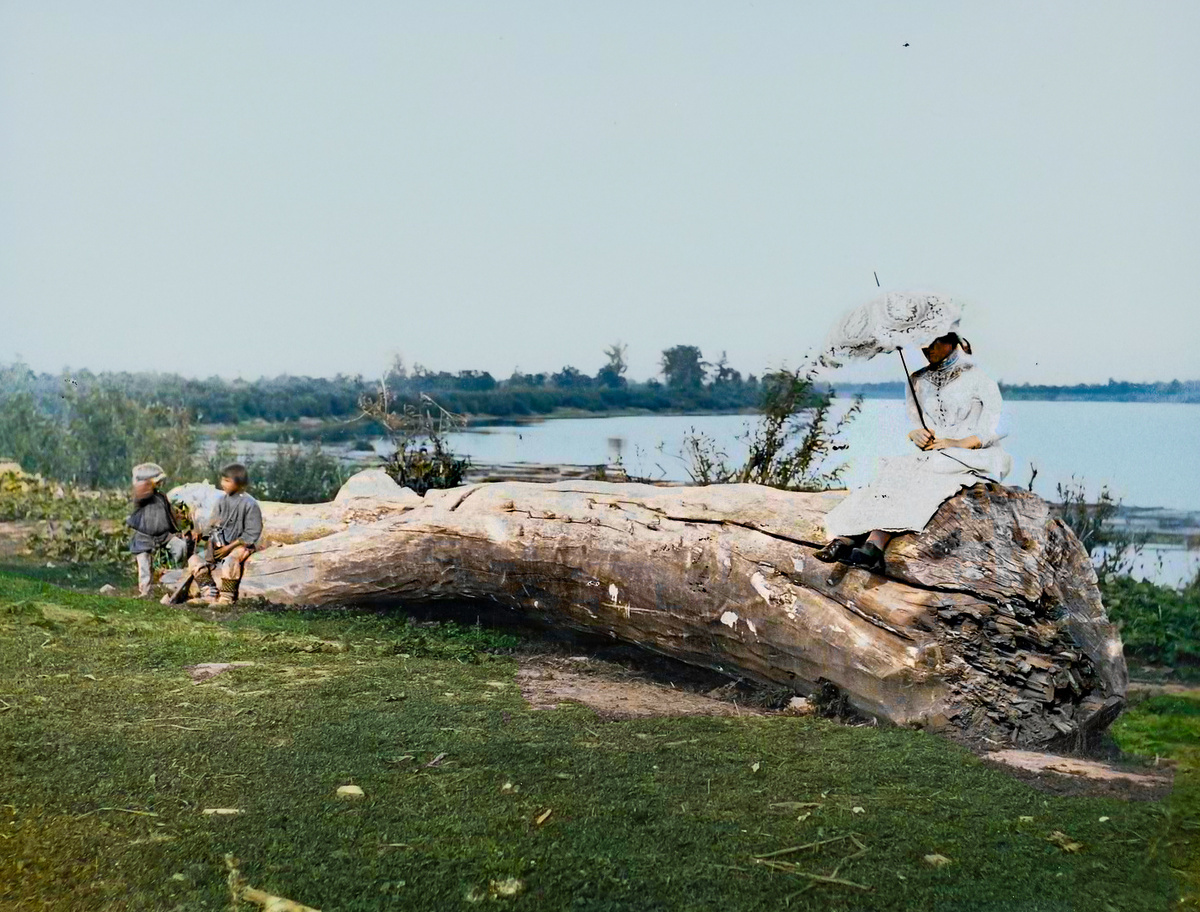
[109,755]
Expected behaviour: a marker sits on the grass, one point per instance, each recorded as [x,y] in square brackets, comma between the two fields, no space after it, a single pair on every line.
[1169,726]
[109,755]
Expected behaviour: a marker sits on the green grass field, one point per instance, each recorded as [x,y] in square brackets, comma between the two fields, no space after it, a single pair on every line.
[110,755]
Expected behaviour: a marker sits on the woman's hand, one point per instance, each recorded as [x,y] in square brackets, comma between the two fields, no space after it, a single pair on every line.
[966,443]
[921,437]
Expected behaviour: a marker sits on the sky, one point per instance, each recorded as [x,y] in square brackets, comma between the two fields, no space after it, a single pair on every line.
[249,189]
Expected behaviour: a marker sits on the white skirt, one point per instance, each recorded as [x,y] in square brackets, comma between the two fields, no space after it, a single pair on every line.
[907,490]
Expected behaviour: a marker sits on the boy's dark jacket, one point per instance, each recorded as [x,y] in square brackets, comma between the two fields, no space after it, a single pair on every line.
[152,523]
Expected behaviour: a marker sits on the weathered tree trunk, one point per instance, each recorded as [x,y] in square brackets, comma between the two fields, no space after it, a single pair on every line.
[988,624]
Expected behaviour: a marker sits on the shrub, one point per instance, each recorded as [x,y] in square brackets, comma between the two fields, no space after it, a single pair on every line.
[1159,625]
[297,475]
[81,542]
[96,436]
[1090,523]
[32,497]
[421,458]
[789,446]
[294,474]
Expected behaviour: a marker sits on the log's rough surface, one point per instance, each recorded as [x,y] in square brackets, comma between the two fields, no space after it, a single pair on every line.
[988,625]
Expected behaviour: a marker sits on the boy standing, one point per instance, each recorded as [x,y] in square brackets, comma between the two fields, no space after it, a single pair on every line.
[232,537]
[153,523]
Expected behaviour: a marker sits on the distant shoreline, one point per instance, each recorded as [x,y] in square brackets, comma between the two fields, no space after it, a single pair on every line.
[348,429]
[1181,393]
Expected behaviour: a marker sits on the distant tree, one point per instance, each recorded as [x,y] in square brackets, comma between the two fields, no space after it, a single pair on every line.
[518,379]
[612,374]
[571,378]
[476,380]
[683,367]
[724,375]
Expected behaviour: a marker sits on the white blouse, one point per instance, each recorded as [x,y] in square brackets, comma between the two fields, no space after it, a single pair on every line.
[958,400]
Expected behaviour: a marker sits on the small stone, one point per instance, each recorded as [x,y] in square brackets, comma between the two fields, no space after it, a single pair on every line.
[349,791]
[108,589]
[509,887]
[1064,842]
[800,706]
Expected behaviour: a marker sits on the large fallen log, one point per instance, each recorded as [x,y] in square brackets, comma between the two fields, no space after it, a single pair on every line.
[988,625]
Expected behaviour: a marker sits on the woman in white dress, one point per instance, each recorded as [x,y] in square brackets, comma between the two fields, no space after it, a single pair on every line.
[961,407]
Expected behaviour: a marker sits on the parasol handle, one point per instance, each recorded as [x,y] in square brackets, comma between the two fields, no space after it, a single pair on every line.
[916,401]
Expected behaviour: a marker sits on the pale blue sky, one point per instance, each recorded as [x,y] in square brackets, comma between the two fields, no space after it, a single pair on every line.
[484,185]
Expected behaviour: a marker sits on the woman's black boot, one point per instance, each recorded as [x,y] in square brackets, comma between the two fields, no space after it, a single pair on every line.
[837,551]
[868,557]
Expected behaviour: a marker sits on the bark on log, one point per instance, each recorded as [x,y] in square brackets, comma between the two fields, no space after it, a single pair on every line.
[988,624]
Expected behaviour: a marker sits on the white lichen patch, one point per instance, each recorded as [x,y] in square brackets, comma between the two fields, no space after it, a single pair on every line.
[758,581]
[725,557]
[798,564]
[614,601]
[497,529]
[729,619]
[750,624]
[790,610]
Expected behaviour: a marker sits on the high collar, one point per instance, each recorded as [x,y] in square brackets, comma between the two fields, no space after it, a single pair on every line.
[955,357]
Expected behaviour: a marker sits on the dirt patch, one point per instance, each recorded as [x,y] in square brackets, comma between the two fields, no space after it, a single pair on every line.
[206,670]
[1074,776]
[1145,689]
[613,692]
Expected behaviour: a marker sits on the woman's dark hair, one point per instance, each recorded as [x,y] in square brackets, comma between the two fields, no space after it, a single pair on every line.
[955,339]
[236,472]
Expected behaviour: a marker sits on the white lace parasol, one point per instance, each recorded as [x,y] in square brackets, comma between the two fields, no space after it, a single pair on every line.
[889,322]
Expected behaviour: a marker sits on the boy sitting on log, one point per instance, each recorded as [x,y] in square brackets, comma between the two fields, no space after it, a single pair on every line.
[232,537]
[154,525]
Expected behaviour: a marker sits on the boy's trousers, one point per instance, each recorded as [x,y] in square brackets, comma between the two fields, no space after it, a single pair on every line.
[175,546]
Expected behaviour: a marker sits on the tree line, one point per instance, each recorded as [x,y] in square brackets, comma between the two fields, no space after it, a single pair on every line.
[1187,391]
[689,383]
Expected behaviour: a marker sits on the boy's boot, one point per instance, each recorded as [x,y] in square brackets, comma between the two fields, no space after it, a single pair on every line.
[204,580]
[229,592]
